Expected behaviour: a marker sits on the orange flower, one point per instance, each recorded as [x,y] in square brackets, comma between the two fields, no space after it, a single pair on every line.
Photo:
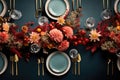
[25,29]
[34,37]
[5,27]
[118,28]
[61,20]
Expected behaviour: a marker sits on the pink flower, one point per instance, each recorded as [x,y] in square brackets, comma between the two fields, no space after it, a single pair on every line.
[34,37]
[63,45]
[68,31]
[4,36]
[56,35]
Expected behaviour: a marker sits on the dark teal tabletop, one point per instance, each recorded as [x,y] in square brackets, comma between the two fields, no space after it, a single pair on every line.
[93,66]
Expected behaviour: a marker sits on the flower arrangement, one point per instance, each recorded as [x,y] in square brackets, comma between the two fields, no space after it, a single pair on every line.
[60,35]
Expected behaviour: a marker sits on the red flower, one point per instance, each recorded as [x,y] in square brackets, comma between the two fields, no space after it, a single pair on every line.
[4,36]
[63,46]
[68,31]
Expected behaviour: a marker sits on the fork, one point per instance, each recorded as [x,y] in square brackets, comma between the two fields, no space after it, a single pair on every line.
[12,66]
[42,61]
[38,9]
[38,67]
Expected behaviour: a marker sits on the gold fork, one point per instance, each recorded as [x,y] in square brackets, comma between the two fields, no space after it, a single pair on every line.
[12,65]
[42,61]
[38,67]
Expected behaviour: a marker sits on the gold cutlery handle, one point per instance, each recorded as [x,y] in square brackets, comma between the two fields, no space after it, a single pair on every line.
[16,68]
[112,68]
[36,14]
[78,68]
[75,68]
[107,69]
[38,69]
[43,69]
[12,68]
[72,5]
[77,4]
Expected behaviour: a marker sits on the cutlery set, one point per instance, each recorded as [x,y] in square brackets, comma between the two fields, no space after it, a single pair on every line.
[110,63]
[40,61]
[76,65]
[14,59]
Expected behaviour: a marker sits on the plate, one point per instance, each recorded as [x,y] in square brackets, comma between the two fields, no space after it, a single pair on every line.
[3,7]
[58,63]
[117,7]
[3,63]
[57,8]
[118,63]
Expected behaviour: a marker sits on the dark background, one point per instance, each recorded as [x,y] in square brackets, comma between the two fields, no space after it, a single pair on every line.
[93,66]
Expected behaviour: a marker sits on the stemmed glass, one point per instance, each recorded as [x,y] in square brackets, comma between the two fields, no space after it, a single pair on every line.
[14,13]
[106,13]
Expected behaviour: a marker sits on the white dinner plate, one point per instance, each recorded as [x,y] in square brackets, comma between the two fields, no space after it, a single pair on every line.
[3,63]
[57,8]
[3,7]
[117,7]
[58,63]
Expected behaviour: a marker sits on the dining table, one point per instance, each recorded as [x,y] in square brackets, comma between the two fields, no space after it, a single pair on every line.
[92,66]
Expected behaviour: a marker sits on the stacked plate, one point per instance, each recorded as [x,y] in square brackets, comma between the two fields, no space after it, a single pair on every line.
[57,8]
[58,63]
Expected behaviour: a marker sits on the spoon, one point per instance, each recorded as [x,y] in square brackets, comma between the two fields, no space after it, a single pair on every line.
[78,60]
[16,61]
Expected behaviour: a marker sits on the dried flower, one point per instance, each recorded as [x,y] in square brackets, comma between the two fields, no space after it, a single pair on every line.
[63,45]
[4,37]
[5,27]
[68,31]
[56,35]
[94,35]
[25,29]
[34,37]
[61,20]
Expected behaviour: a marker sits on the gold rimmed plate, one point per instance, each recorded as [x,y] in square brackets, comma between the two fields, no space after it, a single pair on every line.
[58,63]
[3,7]
[57,8]
[117,7]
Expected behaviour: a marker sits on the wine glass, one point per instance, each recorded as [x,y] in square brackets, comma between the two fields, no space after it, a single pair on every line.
[73,53]
[35,48]
[43,20]
[90,22]
[15,14]
[106,14]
